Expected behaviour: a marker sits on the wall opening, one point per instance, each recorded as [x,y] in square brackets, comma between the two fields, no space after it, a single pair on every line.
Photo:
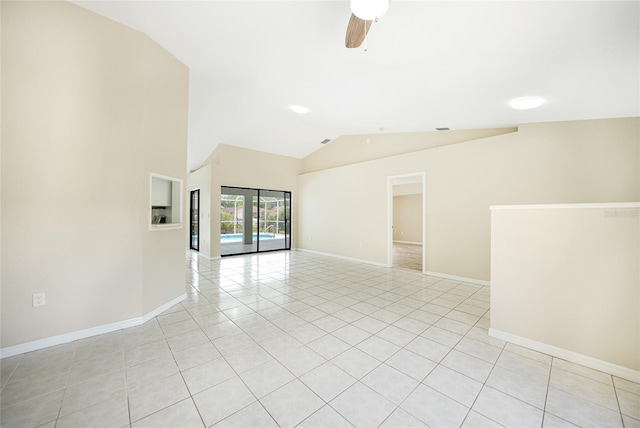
[406,216]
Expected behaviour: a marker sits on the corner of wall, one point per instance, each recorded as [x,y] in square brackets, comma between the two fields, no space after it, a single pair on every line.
[91,137]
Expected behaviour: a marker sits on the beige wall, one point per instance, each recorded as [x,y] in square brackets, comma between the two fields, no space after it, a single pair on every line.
[350,149]
[90,109]
[240,167]
[407,218]
[1,134]
[343,210]
[568,277]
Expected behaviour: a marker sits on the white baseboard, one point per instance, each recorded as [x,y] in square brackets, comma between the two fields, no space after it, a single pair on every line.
[408,242]
[436,274]
[10,351]
[369,262]
[199,254]
[458,278]
[565,354]
[160,309]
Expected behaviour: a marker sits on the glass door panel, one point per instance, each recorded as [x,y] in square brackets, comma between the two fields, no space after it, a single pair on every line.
[287,219]
[272,234]
[236,220]
[195,220]
[254,220]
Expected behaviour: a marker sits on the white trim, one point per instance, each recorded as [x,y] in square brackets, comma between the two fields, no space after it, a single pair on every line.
[156,227]
[168,226]
[565,354]
[10,351]
[160,309]
[458,278]
[200,254]
[408,242]
[369,262]
[566,206]
[209,257]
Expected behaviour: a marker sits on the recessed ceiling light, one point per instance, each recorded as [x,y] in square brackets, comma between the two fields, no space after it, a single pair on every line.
[299,109]
[526,103]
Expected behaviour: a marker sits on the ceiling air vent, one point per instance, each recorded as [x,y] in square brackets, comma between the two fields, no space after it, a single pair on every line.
[325,141]
[442,129]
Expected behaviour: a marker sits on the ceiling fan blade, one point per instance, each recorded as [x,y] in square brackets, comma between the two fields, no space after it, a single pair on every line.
[357,30]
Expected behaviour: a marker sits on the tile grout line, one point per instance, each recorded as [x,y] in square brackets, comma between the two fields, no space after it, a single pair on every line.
[546,394]
[615,391]
[258,400]
[484,384]
[470,408]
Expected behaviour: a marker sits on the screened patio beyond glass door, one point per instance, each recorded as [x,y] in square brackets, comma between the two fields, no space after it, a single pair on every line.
[254,220]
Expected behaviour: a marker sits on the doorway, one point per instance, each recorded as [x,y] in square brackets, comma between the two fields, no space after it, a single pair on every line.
[254,220]
[406,214]
[195,220]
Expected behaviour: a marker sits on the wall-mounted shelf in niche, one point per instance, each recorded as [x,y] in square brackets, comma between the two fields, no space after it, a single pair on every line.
[166,202]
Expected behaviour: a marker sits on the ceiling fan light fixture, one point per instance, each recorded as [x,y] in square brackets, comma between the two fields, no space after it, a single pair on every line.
[299,109]
[369,10]
[526,103]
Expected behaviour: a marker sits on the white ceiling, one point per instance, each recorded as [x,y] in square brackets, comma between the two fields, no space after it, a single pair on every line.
[429,64]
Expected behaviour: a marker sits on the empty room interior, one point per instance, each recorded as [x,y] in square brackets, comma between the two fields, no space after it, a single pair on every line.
[321,213]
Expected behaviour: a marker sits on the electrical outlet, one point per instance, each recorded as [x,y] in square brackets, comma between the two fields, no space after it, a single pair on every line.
[39,300]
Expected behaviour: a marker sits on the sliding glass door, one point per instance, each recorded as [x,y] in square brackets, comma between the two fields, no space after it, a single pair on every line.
[254,220]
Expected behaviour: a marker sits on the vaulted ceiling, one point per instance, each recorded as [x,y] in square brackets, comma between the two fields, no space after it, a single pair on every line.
[428,64]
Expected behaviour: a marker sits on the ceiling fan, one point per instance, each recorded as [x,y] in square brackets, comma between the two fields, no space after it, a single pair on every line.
[363,13]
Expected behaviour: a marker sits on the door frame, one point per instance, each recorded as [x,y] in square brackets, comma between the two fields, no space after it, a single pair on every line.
[287,219]
[191,192]
[390,184]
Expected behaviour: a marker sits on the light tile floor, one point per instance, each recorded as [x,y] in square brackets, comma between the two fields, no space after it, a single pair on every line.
[295,339]
[408,256]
